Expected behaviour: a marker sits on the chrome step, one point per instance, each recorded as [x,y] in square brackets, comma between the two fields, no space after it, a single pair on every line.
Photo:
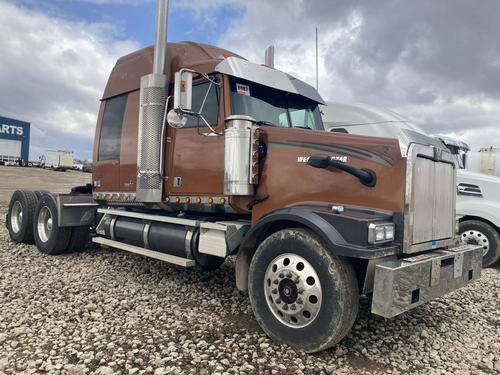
[149,253]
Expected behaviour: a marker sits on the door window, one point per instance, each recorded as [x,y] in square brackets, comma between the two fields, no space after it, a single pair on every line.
[210,108]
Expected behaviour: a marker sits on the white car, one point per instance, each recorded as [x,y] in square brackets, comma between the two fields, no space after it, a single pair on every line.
[478,195]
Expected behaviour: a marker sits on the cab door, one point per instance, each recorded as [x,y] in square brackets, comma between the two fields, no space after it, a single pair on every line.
[195,161]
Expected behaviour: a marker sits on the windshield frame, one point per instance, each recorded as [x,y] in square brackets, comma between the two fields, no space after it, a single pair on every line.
[273,100]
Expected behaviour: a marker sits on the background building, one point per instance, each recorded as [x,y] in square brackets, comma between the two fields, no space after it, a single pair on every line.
[14,140]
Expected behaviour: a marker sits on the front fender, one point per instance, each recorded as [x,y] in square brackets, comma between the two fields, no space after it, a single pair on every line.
[339,231]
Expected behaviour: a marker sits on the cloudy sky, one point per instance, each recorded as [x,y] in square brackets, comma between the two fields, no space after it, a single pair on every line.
[435,62]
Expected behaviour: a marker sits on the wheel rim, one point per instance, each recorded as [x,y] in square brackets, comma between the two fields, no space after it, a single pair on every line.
[293,290]
[44,224]
[474,237]
[16,217]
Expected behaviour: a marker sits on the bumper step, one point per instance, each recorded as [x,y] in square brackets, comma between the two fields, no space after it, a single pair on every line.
[149,253]
[403,284]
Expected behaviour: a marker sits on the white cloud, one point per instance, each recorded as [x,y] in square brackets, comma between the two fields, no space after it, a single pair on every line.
[433,62]
[52,74]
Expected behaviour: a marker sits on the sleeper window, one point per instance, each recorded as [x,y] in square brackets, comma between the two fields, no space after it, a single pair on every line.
[111,128]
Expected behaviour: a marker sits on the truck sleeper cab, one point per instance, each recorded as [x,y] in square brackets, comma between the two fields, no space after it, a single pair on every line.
[227,157]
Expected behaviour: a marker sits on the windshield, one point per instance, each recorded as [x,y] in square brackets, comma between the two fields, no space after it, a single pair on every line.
[274,106]
[458,156]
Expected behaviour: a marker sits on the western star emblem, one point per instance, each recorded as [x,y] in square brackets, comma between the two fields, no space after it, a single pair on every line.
[305,159]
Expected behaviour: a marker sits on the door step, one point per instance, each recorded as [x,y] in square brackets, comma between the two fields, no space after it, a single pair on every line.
[149,253]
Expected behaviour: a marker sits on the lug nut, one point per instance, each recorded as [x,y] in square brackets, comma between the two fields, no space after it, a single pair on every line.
[281,275]
[275,291]
[301,290]
[299,301]
[289,275]
[285,307]
[297,279]
[276,281]
[278,300]
[293,307]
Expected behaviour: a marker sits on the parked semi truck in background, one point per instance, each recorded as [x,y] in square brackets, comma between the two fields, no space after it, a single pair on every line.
[225,157]
[59,160]
[478,195]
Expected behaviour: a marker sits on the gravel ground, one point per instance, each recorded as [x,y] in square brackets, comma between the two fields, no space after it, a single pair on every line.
[107,311]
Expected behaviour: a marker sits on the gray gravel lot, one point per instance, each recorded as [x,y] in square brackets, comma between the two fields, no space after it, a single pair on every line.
[103,311]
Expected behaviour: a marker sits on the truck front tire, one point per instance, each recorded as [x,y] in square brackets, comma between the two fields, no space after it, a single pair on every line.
[301,294]
[50,238]
[20,216]
[479,233]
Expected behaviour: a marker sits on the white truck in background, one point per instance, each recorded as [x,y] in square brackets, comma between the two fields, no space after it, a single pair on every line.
[478,194]
[58,160]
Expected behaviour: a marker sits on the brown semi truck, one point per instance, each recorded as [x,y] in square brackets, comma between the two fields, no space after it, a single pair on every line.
[200,155]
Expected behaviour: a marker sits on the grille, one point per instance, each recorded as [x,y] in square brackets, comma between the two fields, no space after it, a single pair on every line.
[431,211]
[149,175]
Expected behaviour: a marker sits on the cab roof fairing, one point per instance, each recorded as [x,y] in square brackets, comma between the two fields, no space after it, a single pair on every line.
[263,75]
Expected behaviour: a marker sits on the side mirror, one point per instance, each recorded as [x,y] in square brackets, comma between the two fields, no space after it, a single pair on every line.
[183,90]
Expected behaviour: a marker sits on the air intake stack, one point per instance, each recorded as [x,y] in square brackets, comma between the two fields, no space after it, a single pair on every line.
[153,97]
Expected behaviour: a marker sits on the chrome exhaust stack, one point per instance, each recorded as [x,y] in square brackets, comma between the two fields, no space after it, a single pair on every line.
[269,58]
[153,96]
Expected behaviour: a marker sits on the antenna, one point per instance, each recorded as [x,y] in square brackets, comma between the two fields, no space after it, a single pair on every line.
[317,89]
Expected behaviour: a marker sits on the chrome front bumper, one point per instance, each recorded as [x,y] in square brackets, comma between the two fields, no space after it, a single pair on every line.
[403,284]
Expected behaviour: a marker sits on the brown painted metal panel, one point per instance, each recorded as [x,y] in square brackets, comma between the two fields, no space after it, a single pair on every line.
[129,69]
[289,182]
[198,160]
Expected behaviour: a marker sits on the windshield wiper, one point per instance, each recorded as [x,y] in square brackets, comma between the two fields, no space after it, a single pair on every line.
[262,122]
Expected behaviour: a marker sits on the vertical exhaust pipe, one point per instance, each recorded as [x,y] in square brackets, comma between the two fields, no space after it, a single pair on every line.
[269,58]
[153,95]
[161,36]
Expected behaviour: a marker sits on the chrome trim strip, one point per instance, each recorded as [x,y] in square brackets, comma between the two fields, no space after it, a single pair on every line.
[138,215]
[112,227]
[81,205]
[149,253]
[187,242]
[145,234]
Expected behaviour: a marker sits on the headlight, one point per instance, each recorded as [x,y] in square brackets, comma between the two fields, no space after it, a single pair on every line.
[382,232]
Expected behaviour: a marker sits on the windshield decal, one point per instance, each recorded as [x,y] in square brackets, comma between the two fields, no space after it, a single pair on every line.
[242,89]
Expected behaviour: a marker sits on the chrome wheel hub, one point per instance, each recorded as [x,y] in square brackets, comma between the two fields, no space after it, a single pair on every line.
[293,290]
[16,217]
[44,224]
[474,237]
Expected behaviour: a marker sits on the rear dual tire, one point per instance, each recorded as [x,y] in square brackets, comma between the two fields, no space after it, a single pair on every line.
[19,219]
[300,293]
[32,218]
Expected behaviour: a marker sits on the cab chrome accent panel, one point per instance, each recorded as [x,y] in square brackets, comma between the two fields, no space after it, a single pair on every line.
[403,284]
[239,68]
[430,199]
